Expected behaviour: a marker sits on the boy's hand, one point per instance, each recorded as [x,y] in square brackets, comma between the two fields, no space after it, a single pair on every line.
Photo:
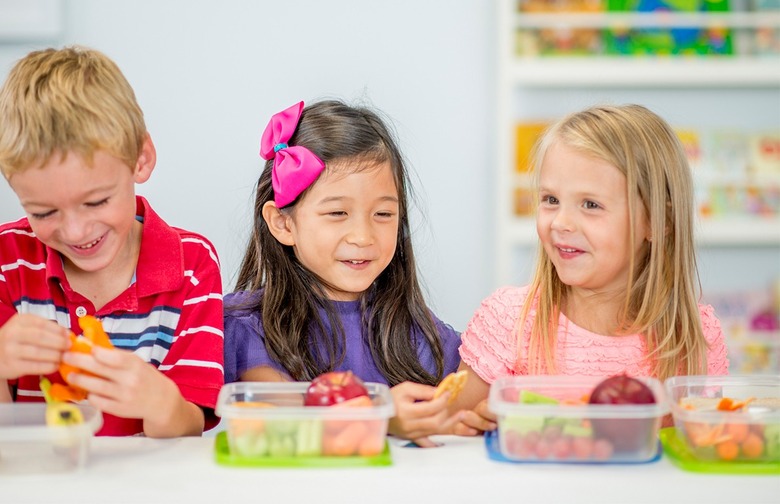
[31,345]
[126,386]
[476,421]
[418,415]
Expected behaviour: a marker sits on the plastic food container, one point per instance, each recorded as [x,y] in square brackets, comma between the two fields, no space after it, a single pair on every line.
[727,419]
[268,424]
[28,445]
[547,419]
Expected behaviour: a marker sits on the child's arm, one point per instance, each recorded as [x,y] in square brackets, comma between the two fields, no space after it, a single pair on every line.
[30,345]
[264,374]
[476,418]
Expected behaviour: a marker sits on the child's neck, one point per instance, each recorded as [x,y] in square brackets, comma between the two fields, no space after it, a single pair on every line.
[106,284]
[597,312]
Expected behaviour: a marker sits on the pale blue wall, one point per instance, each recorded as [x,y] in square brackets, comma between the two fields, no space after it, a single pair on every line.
[209,74]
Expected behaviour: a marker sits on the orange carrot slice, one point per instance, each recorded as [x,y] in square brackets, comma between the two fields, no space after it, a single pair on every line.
[92,335]
[729,404]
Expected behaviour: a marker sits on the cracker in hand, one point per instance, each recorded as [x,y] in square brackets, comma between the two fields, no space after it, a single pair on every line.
[453,383]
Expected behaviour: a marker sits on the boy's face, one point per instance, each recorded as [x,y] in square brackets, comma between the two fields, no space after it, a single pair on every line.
[87,213]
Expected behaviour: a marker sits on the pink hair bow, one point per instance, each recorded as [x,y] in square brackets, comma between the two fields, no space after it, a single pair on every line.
[295,167]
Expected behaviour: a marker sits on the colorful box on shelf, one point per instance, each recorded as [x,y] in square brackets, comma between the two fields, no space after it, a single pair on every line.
[545,419]
[678,40]
[562,40]
[29,446]
[268,425]
[725,423]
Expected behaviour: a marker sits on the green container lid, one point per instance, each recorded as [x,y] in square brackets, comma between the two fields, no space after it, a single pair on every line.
[678,452]
[223,457]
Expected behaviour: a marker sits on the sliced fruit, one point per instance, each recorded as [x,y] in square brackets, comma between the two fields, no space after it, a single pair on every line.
[92,335]
[530,397]
[59,414]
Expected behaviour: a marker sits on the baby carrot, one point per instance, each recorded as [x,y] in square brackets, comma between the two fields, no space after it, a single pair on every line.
[753,446]
[727,450]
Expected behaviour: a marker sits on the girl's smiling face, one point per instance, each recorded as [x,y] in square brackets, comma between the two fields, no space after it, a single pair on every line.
[583,220]
[345,228]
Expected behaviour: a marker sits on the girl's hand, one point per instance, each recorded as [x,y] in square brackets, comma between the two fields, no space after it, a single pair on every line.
[128,387]
[476,421]
[31,345]
[418,415]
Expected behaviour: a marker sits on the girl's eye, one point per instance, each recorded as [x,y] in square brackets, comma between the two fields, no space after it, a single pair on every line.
[338,213]
[385,215]
[550,200]
[591,205]
[97,203]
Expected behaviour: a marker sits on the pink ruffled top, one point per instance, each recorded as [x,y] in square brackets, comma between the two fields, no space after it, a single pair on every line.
[489,346]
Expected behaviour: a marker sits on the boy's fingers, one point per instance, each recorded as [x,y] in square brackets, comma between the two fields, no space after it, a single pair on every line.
[40,355]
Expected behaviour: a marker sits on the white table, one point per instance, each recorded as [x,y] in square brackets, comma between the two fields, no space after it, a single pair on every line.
[141,470]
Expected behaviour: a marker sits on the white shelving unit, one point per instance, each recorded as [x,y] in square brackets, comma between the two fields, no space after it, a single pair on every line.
[522,79]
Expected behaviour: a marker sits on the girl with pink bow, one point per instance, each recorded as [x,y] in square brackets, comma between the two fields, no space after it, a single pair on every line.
[328,281]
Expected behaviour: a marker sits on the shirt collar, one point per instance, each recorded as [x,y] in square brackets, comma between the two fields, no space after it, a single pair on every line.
[160,265]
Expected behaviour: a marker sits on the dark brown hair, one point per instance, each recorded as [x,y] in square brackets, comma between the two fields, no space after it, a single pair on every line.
[392,308]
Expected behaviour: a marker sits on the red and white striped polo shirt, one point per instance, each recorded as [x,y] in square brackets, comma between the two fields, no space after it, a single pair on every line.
[171,316]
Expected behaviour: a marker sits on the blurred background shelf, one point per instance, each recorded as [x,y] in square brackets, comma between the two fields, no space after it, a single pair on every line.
[667,72]
[756,232]
[704,93]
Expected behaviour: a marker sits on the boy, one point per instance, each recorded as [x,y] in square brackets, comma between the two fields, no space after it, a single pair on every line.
[73,144]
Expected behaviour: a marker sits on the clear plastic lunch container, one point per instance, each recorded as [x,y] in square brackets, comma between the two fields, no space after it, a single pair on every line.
[547,419]
[268,424]
[727,419]
[29,445]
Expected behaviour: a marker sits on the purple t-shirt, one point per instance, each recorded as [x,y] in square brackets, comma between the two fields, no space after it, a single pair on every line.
[245,342]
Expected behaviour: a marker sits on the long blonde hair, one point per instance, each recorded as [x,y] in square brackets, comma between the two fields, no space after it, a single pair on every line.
[662,291]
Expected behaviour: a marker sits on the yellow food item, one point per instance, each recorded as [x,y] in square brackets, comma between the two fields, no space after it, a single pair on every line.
[454,383]
[59,413]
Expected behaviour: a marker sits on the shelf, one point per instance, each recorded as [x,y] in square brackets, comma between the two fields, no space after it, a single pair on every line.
[612,19]
[522,80]
[724,232]
[742,232]
[621,71]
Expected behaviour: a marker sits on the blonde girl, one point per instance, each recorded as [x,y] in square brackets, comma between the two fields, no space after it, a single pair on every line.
[616,286]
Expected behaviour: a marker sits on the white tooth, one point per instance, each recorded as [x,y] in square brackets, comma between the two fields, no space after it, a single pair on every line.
[88,246]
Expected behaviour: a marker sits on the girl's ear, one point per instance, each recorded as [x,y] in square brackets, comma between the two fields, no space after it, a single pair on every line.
[278,223]
[147,159]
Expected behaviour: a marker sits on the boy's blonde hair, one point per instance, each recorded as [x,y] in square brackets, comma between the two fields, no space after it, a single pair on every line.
[662,291]
[71,99]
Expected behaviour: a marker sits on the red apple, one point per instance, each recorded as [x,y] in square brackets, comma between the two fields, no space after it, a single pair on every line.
[626,435]
[622,389]
[333,388]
